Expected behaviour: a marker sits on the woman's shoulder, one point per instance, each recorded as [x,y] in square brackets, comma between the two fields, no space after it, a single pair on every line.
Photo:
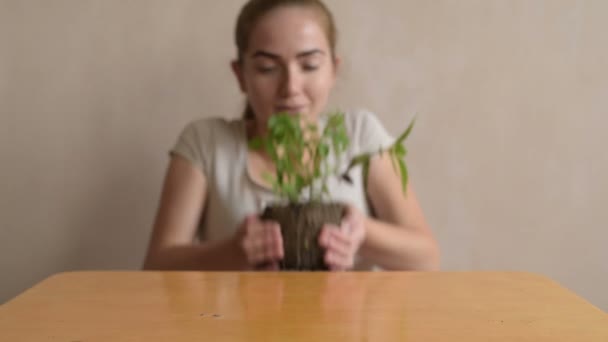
[359,122]
[214,129]
[366,130]
[357,118]
[203,140]
[215,124]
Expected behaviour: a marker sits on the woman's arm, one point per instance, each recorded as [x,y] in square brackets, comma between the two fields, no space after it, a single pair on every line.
[400,239]
[172,245]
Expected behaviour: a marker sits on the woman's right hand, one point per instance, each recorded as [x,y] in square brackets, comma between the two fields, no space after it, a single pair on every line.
[261,242]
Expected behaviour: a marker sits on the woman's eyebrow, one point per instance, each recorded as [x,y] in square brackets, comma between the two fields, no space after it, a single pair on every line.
[262,53]
[266,54]
[310,52]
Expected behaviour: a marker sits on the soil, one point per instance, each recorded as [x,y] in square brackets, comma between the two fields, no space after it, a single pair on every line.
[300,227]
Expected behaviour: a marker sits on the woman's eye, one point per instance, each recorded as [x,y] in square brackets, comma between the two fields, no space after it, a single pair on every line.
[266,69]
[310,67]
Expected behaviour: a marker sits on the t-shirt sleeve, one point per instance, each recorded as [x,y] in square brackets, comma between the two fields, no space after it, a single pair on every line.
[193,144]
[370,134]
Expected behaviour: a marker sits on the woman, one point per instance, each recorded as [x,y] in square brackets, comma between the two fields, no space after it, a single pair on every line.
[214,191]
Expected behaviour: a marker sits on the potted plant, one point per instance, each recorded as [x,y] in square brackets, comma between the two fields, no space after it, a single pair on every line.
[300,152]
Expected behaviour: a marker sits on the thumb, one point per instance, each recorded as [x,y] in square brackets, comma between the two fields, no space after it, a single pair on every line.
[252,218]
[346,227]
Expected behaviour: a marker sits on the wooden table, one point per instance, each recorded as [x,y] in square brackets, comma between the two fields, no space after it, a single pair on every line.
[380,306]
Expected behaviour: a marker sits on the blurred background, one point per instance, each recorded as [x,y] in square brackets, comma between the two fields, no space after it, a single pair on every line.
[508,155]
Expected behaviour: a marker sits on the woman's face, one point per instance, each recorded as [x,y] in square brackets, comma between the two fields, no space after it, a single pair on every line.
[288,66]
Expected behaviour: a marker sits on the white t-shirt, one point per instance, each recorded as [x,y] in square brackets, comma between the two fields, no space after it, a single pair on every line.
[219,147]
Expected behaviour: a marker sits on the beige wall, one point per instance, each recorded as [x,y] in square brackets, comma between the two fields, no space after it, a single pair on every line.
[508,156]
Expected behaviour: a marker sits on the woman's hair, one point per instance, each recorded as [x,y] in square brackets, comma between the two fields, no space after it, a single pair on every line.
[255,9]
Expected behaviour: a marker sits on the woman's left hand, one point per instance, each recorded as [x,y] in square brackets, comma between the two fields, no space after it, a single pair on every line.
[342,243]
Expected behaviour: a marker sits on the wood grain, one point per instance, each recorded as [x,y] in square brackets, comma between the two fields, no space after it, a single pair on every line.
[282,306]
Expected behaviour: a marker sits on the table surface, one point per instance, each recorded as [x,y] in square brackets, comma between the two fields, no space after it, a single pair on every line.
[282,306]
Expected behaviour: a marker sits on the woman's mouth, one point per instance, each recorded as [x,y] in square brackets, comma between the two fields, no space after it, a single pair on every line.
[290,109]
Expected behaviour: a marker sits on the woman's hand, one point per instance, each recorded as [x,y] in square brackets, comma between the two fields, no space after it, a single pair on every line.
[342,243]
[261,242]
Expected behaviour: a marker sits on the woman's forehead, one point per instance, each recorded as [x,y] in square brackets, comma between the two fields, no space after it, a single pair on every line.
[288,32]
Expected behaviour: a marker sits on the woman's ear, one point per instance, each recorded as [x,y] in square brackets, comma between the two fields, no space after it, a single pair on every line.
[337,65]
[237,69]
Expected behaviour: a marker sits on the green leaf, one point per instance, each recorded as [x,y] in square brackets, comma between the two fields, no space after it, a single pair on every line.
[407,132]
[268,177]
[317,173]
[359,159]
[394,159]
[323,150]
[299,183]
[400,150]
[276,189]
[256,143]
[269,147]
[340,142]
[365,172]
[404,176]
[279,178]
[325,189]
[286,134]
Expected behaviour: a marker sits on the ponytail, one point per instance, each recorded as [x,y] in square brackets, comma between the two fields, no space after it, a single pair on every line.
[248,112]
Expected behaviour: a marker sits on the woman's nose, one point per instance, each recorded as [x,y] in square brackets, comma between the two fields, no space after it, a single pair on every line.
[291,83]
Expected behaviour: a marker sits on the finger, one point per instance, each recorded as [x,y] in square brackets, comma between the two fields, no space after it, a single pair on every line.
[267,266]
[337,262]
[325,235]
[252,218]
[253,224]
[340,242]
[257,256]
[273,266]
[253,242]
[354,228]
[253,227]
[345,227]
[353,218]
[268,242]
[265,254]
[249,245]
[278,238]
[255,247]
[274,242]
[349,214]
[261,245]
